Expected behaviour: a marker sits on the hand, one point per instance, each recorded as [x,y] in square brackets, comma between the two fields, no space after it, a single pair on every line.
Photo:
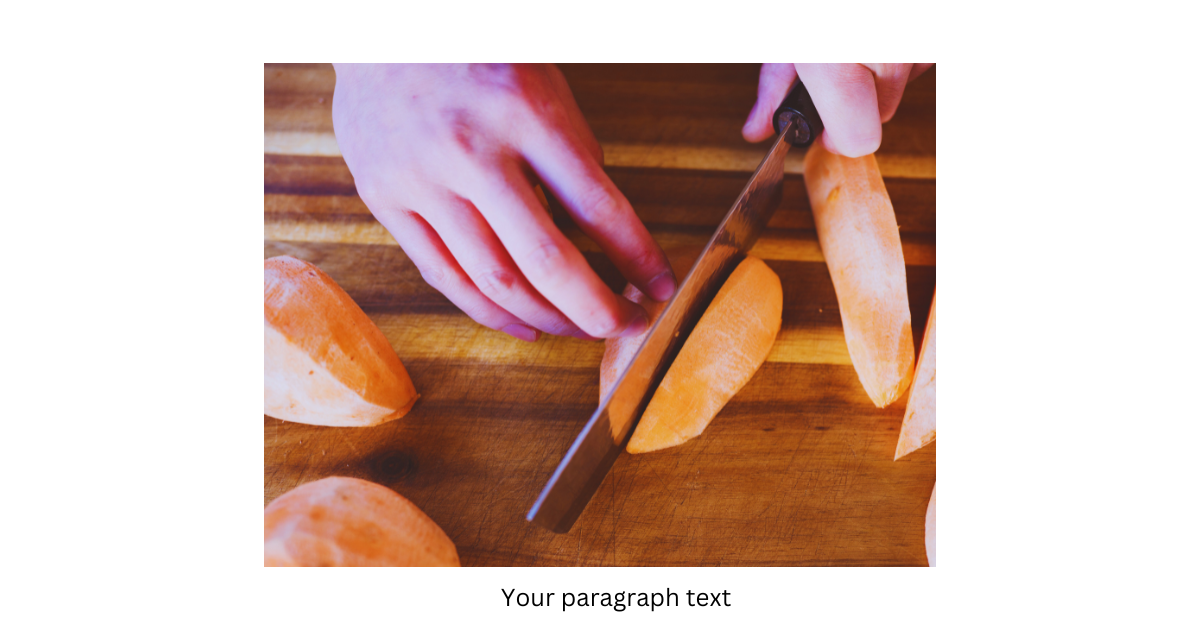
[854,100]
[447,157]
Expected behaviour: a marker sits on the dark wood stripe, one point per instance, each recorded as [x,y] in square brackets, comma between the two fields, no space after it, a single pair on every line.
[330,215]
[663,196]
[708,107]
[672,73]
[308,160]
[307,175]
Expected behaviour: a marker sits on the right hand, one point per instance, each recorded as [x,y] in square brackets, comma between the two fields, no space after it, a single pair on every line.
[447,156]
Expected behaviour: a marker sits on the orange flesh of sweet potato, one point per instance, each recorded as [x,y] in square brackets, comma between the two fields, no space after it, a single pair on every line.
[931,529]
[343,522]
[919,427]
[326,361]
[860,240]
[728,345]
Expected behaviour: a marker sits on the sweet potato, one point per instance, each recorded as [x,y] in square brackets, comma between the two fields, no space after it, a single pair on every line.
[326,361]
[344,522]
[856,227]
[728,345]
[919,427]
[931,529]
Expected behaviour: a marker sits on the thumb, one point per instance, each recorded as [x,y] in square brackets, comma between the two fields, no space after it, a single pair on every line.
[774,81]
[844,94]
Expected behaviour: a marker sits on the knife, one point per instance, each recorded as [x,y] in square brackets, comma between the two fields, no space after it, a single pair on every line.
[591,456]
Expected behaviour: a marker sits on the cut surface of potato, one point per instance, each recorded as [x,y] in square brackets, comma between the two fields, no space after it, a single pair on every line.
[729,343]
[326,362]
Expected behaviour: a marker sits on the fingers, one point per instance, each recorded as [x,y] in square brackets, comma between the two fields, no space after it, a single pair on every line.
[548,260]
[438,267]
[844,94]
[890,79]
[483,259]
[774,81]
[602,212]
[559,83]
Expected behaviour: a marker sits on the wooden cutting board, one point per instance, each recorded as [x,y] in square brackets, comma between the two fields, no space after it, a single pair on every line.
[796,470]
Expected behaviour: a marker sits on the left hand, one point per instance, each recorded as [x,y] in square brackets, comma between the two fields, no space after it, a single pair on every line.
[854,100]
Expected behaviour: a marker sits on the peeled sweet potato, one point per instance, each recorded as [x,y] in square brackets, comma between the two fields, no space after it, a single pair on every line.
[344,522]
[860,240]
[727,346]
[931,529]
[326,361]
[920,418]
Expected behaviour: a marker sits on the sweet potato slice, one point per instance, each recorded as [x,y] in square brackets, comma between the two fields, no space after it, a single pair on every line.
[326,361]
[919,427]
[728,345]
[860,240]
[344,522]
[931,529]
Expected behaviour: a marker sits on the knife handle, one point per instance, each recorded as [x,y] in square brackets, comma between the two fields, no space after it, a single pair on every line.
[798,107]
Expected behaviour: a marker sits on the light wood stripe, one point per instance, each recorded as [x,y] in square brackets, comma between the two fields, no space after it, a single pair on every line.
[301,143]
[768,247]
[704,158]
[450,338]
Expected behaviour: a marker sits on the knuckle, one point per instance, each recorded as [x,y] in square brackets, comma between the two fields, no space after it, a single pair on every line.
[434,276]
[496,282]
[461,131]
[888,70]
[546,259]
[600,206]
[604,323]
[368,191]
[645,258]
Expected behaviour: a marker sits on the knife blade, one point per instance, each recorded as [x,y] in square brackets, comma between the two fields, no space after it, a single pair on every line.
[593,452]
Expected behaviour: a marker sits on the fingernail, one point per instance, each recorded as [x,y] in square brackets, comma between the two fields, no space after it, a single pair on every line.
[520,331]
[662,287]
[635,327]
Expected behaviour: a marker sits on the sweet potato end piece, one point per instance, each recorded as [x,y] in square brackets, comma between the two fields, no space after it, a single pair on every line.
[340,521]
[327,363]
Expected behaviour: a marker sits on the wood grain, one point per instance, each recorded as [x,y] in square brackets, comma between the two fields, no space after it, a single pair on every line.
[796,470]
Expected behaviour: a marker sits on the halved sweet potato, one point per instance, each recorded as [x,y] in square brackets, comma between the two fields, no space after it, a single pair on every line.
[344,522]
[326,361]
[920,418]
[931,528]
[728,345]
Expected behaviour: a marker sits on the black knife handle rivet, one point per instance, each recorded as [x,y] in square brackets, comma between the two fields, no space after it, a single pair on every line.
[798,107]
